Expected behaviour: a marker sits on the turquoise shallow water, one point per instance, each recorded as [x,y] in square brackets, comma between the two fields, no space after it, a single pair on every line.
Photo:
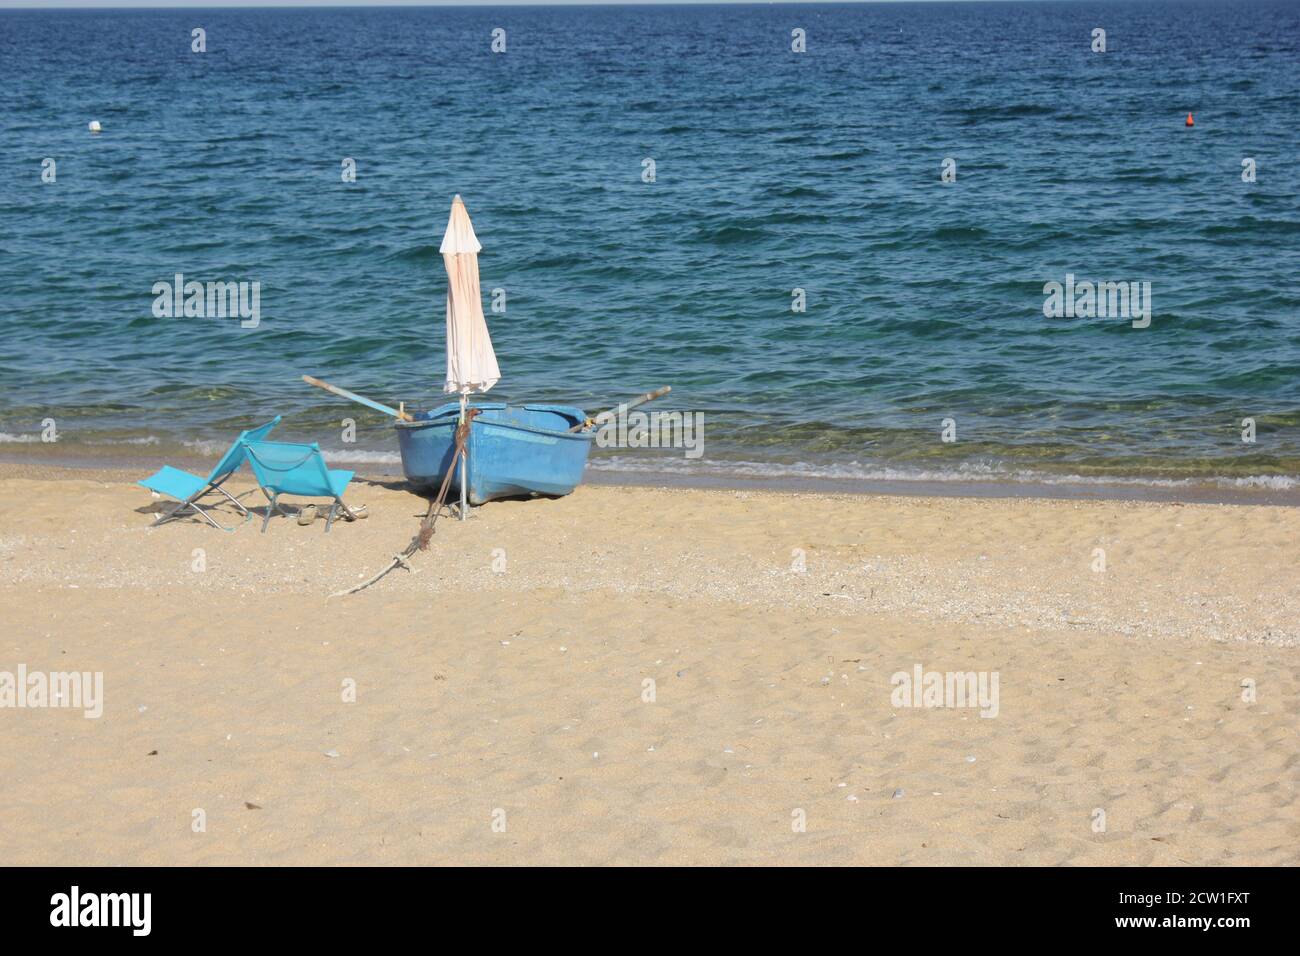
[774,171]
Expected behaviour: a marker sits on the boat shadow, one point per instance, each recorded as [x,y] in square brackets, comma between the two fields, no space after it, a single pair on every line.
[428,495]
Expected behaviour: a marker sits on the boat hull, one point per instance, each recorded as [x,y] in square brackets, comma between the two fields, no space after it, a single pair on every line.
[514,450]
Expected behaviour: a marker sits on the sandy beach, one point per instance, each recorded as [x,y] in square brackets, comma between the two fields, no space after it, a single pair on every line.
[647,676]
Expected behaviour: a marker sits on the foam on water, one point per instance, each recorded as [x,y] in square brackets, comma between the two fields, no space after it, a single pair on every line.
[961,474]
[361,456]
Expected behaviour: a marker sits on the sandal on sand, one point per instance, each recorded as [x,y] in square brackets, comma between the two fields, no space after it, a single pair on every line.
[358,512]
[306,514]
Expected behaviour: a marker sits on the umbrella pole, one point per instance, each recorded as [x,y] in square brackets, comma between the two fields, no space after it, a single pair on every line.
[464,495]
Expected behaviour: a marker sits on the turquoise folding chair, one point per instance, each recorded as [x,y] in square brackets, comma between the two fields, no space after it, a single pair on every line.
[285,468]
[188,489]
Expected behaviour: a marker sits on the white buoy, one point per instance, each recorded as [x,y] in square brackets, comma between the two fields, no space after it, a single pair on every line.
[95,127]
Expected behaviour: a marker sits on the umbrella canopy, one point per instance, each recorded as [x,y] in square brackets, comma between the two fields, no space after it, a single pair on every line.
[471,363]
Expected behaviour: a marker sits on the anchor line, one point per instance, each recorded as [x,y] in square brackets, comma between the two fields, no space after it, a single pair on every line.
[424,536]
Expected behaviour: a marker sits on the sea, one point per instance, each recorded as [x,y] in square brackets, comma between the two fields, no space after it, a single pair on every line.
[858,240]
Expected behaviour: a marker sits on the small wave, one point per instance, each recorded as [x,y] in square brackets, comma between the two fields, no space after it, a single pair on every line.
[361,456]
[1250,225]
[958,233]
[729,235]
[798,192]
[842,154]
[5,437]
[425,252]
[214,448]
[141,440]
[1012,111]
[961,474]
[207,447]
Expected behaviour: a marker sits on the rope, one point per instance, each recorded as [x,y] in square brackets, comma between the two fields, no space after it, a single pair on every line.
[425,534]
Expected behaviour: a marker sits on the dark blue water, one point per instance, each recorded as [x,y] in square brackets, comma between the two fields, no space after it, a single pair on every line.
[774,171]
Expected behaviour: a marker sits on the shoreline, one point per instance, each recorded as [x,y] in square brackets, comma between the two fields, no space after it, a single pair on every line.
[1116,491]
[138,465]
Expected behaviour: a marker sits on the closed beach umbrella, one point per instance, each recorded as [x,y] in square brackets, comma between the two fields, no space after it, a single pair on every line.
[471,363]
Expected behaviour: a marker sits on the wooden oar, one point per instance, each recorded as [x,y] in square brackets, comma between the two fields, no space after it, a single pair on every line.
[639,400]
[353,397]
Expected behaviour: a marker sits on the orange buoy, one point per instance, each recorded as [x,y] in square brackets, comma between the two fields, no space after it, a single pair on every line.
[1189,120]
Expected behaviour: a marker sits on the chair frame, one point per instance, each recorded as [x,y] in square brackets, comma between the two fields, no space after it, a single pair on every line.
[191,504]
[211,485]
[273,497]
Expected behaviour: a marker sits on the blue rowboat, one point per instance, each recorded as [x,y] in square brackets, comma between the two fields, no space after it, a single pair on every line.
[514,450]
